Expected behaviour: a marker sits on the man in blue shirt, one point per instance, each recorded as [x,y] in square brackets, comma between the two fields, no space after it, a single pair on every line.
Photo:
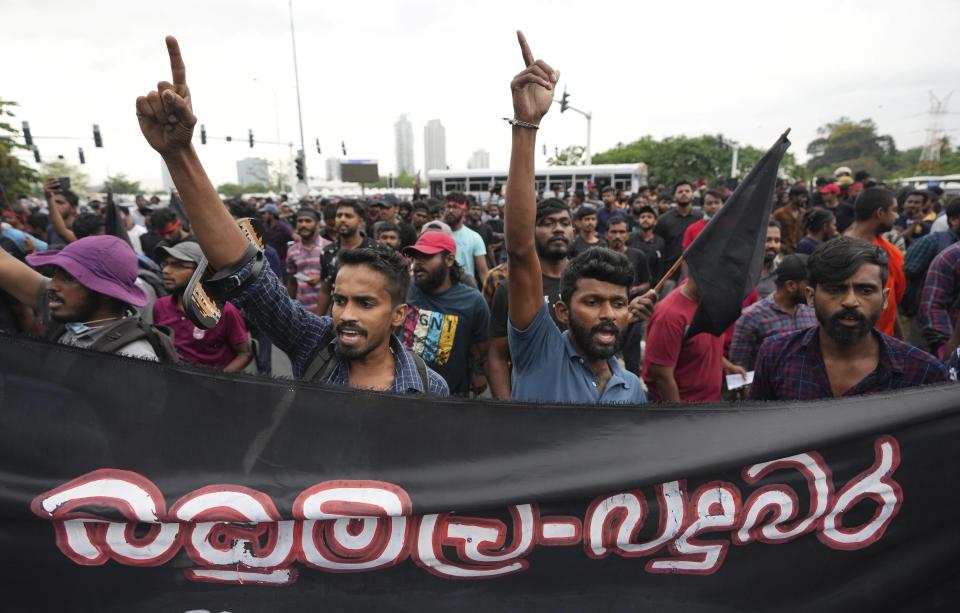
[577,366]
[356,344]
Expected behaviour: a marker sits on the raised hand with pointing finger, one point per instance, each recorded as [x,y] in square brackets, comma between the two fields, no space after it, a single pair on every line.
[166,115]
[533,87]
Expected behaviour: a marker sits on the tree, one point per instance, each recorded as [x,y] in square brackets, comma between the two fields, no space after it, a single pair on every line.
[232,190]
[120,184]
[855,144]
[569,156]
[15,177]
[62,168]
[683,157]
[401,180]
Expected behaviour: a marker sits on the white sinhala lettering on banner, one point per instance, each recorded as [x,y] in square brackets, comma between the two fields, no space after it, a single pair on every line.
[236,535]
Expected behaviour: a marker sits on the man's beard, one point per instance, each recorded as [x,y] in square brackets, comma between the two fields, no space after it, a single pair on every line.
[841,334]
[584,338]
[307,236]
[83,312]
[452,219]
[352,353]
[769,256]
[347,231]
[434,279]
[553,251]
[883,228]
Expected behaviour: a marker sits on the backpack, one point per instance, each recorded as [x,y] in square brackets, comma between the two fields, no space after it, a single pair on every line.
[910,304]
[131,329]
[323,364]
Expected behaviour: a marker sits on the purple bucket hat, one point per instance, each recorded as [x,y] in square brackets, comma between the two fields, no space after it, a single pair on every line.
[102,264]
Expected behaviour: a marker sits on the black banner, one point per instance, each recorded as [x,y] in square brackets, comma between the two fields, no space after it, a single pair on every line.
[132,486]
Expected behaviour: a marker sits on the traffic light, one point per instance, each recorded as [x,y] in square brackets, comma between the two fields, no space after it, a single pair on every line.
[83,160]
[318,147]
[343,146]
[250,138]
[27,137]
[97,140]
[301,166]
[36,154]
[203,134]
[563,101]
[229,139]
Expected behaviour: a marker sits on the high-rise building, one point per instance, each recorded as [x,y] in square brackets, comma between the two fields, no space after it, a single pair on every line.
[251,171]
[479,159]
[333,169]
[435,145]
[403,130]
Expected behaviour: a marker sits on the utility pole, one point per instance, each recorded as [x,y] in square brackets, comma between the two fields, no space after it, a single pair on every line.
[930,156]
[296,78]
[565,106]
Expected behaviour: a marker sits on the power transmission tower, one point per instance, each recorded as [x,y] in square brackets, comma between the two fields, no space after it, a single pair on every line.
[930,156]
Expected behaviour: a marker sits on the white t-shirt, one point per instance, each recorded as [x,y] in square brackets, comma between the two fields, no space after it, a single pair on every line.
[469,246]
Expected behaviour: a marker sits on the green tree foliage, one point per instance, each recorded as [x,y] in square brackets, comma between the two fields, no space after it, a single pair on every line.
[15,176]
[684,157]
[61,168]
[401,180]
[232,190]
[120,184]
[856,144]
[570,156]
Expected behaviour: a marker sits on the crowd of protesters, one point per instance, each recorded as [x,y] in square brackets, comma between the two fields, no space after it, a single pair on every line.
[549,297]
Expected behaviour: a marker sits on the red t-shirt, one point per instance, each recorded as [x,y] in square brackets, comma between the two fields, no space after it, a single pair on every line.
[691,233]
[211,348]
[697,362]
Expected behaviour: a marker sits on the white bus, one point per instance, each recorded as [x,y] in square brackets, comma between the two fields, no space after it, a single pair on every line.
[479,182]
[949,183]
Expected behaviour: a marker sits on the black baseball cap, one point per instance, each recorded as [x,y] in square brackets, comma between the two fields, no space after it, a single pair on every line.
[793,267]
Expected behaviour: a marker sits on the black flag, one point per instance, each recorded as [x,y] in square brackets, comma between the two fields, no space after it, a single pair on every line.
[177,207]
[114,225]
[726,259]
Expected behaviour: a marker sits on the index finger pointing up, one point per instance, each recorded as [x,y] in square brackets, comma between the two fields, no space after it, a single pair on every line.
[176,62]
[525,49]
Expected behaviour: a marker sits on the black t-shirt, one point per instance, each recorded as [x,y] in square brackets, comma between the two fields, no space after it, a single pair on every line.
[641,267]
[498,312]
[579,246]
[330,263]
[654,251]
[670,227]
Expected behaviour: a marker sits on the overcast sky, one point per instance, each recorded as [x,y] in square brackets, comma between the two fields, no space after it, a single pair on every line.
[746,69]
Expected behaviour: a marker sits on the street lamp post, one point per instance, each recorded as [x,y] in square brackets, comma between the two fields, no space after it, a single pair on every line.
[296,78]
[565,106]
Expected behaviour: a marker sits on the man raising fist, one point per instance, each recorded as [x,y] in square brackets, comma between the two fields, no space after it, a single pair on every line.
[356,346]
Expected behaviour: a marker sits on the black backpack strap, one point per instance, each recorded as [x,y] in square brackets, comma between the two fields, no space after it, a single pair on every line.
[322,363]
[422,371]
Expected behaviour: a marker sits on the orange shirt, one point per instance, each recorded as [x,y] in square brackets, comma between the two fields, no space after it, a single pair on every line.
[897,282]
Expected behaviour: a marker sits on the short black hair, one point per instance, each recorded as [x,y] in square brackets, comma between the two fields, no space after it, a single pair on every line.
[683,182]
[88,224]
[774,224]
[860,176]
[608,189]
[386,262]
[330,210]
[839,259]
[817,218]
[585,211]
[664,196]
[617,220]
[458,197]
[38,221]
[550,206]
[421,205]
[952,208]
[870,201]
[356,205]
[715,193]
[596,263]
[385,226]
[162,218]
[405,205]
[918,192]
[239,210]
[71,197]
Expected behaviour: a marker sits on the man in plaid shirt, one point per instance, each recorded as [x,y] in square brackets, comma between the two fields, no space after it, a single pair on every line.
[940,300]
[785,310]
[371,284]
[845,355]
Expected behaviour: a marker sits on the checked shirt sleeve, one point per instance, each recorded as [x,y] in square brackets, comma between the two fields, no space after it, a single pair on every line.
[940,291]
[292,328]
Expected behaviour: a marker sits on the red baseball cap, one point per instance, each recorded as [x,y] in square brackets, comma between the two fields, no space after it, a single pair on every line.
[431,243]
[830,188]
